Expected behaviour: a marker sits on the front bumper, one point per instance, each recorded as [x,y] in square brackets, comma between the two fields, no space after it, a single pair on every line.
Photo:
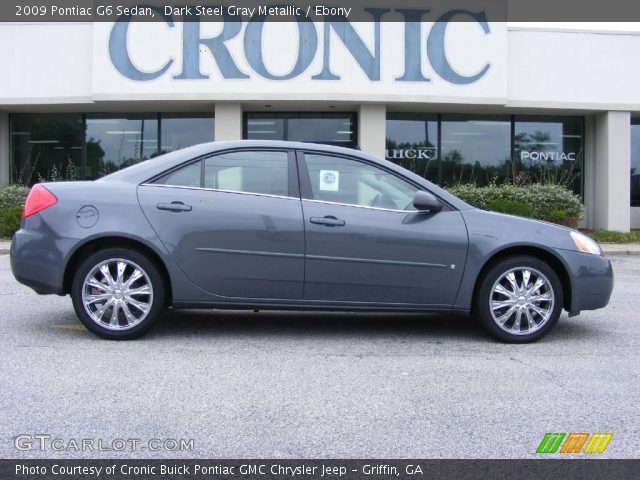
[591,279]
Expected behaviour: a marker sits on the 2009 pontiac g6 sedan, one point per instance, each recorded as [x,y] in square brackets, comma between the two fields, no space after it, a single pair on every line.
[280,225]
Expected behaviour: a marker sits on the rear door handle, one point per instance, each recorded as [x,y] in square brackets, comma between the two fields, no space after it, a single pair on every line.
[328,221]
[174,207]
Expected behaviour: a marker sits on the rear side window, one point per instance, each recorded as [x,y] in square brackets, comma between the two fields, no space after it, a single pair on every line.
[250,172]
[189,176]
[244,171]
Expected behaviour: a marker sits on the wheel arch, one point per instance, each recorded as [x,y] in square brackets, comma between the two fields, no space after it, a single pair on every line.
[554,262]
[114,241]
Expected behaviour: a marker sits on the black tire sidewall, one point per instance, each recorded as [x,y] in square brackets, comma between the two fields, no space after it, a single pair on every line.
[151,270]
[482,306]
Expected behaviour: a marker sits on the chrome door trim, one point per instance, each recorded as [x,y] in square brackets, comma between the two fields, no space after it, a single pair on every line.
[254,194]
[361,206]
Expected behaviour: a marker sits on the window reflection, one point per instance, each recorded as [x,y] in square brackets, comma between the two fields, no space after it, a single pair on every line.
[327,128]
[412,143]
[117,142]
[490,149]
[475,149]
[183,130]
[635,163]
[549,149]
[46,147]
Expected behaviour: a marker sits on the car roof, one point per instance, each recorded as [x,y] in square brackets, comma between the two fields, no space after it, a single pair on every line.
[143,171]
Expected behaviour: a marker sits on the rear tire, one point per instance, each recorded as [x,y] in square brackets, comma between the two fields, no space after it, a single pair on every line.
[118,293]
[519,299]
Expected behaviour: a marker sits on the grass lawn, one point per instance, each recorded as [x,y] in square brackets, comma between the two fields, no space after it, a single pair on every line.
[609,236]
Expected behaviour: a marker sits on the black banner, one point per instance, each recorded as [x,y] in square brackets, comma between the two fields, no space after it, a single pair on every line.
[317,10]
[559,469]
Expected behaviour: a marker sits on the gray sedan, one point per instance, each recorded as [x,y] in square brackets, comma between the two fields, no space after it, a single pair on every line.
[280,225]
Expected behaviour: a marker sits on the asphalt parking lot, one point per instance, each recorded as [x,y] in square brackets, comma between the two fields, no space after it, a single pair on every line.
[256,385]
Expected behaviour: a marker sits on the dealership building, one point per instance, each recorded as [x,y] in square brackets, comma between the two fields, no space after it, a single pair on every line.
[457,102]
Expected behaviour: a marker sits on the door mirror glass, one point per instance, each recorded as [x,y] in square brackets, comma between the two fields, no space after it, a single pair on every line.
[425,201]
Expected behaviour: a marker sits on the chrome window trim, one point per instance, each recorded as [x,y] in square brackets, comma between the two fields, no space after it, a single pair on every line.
[184,187]
[359,206]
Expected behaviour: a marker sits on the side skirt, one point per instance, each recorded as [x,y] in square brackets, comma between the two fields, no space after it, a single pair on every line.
[319,307]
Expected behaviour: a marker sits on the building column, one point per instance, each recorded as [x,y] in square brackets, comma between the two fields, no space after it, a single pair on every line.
[228,122]
[612,166]
[372,129]
[589,171]
[5,167]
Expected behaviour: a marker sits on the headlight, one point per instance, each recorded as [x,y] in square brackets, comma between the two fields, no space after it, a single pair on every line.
[585,244]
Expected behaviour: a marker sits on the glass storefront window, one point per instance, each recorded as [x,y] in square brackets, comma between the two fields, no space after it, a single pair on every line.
[549,149]
[46,147]
[412,141]
[115,142]
[475,149]
[447,149]
[635,163]
[180,130]
[78,147]
[491,149]
[328,128]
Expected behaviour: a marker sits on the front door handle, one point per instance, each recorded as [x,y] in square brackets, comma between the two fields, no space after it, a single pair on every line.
[174,207]
[328,221]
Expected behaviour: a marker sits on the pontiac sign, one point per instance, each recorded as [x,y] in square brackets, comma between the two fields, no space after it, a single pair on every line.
[546,156]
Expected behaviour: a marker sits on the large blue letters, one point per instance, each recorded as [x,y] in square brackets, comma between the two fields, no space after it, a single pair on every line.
[120,55]
[437,53]
[368,61]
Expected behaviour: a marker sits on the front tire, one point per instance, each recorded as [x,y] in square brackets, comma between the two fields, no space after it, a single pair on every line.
[519,299]
[118,293]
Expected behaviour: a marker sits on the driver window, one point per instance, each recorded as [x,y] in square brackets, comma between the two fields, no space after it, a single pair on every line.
[343,180]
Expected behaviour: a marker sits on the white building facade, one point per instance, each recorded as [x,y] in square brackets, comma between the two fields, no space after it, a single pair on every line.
[456,102]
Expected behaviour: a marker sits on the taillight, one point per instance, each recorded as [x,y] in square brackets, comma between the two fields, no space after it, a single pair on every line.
[38,199]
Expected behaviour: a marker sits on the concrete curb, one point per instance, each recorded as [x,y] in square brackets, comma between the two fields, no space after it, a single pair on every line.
[611,253]
[5,246]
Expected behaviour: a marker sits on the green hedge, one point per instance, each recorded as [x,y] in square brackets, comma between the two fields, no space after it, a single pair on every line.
[512,207]
[13,196]
[552,203]
[12,199]
[10,221]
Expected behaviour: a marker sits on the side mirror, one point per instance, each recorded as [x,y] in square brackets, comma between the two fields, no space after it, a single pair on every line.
[425,201]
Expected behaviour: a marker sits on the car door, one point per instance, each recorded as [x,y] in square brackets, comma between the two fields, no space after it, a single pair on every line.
[233,223]
[365,242]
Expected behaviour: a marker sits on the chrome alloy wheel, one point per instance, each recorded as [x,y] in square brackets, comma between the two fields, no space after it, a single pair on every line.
[522,301]
[117,294]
